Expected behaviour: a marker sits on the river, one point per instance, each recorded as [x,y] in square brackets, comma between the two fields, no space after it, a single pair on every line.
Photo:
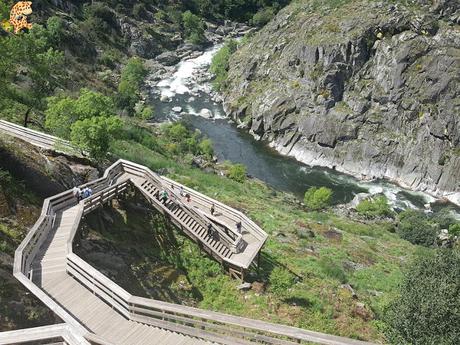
[189,89]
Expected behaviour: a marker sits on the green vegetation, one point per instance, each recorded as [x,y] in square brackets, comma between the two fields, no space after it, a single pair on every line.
[263,16]
[375,207]
[193,27]
[63,111]
[318,198]
[220,64]
[426,310]
[94,134]
[416,227]
[132,76]
[237,172]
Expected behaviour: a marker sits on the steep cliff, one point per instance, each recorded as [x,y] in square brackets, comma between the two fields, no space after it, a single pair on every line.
[368,88]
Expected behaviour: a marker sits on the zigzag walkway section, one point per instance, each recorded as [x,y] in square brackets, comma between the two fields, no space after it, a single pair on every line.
[95,310]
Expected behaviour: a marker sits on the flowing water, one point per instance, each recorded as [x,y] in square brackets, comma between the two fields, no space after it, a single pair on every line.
[189,89]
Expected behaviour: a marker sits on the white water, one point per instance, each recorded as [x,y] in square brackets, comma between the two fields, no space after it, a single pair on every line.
[182,81]
[185,90]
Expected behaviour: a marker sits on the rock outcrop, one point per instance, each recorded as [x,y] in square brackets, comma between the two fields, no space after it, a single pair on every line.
[368,88]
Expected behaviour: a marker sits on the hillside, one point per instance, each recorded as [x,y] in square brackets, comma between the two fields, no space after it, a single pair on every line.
[368,88]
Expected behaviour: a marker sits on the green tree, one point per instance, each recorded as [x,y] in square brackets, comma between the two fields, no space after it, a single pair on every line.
[318,198]
[376,207]
[94,134]
[415,227]
[131,80]
[63,111]
[220,64]
[427,308]
[263,16]
[193,27]
[30,70]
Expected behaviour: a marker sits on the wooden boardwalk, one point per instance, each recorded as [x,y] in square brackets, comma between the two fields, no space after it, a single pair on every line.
[95,310]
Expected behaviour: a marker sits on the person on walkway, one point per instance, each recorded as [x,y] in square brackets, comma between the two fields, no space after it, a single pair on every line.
[181,191]
[164,196]
[76,193]
[188,197]
[210,232]
[238,227]
[212,209]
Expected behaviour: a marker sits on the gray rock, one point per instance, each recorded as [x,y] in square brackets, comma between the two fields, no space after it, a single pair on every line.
[343,98]
[244,286]
[206,113]
[168,58]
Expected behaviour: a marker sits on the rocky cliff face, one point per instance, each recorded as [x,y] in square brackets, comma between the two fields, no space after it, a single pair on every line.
[368,88]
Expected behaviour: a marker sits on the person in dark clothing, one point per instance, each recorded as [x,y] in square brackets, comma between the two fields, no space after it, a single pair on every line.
[238,227]
[210,232]
[163,196]
[212,209]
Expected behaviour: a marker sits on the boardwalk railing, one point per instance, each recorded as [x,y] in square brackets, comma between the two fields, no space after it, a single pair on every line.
[212,326]
[54,334]
[216,327]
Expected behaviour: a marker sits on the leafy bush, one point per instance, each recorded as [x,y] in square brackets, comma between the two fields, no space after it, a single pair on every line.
[415,227]
[454,229]
[205,147]
[376,207]
[263,16]
[237,172]
[193,27]
[132,77]
[318,198]
[94,134]
[63,111]
[281,280]
[139,11]
[426,310]
[220,64]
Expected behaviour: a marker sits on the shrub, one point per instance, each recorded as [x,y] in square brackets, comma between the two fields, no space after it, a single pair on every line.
[281,280]
[132,76]
[237,172]
[376,207]
[454,229]
[177,131]
[415,227]
[318,198]
[426,310]
[205,147]
[263,16]
[193,27]
[220,64]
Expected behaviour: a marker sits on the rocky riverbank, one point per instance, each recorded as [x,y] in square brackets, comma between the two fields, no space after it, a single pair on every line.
[366,88]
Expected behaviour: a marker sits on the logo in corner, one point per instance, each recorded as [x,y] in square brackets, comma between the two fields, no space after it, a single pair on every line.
[18,16]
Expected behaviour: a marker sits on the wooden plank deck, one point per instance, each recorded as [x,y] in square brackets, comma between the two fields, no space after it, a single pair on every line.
[97,310]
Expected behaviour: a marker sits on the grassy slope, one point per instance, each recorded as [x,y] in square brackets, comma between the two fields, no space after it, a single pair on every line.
[303,274]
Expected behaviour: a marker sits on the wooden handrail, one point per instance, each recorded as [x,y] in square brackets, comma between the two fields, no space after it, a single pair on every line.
[45,333]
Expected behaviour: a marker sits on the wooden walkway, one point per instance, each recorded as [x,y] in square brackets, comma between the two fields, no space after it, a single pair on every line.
[95,310]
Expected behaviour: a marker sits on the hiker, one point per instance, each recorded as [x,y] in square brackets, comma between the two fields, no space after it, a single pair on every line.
[188,197]
[86,193]
[238,227]
[212,210]
[181,191]
[210,230]
[76,193]
[163,196]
